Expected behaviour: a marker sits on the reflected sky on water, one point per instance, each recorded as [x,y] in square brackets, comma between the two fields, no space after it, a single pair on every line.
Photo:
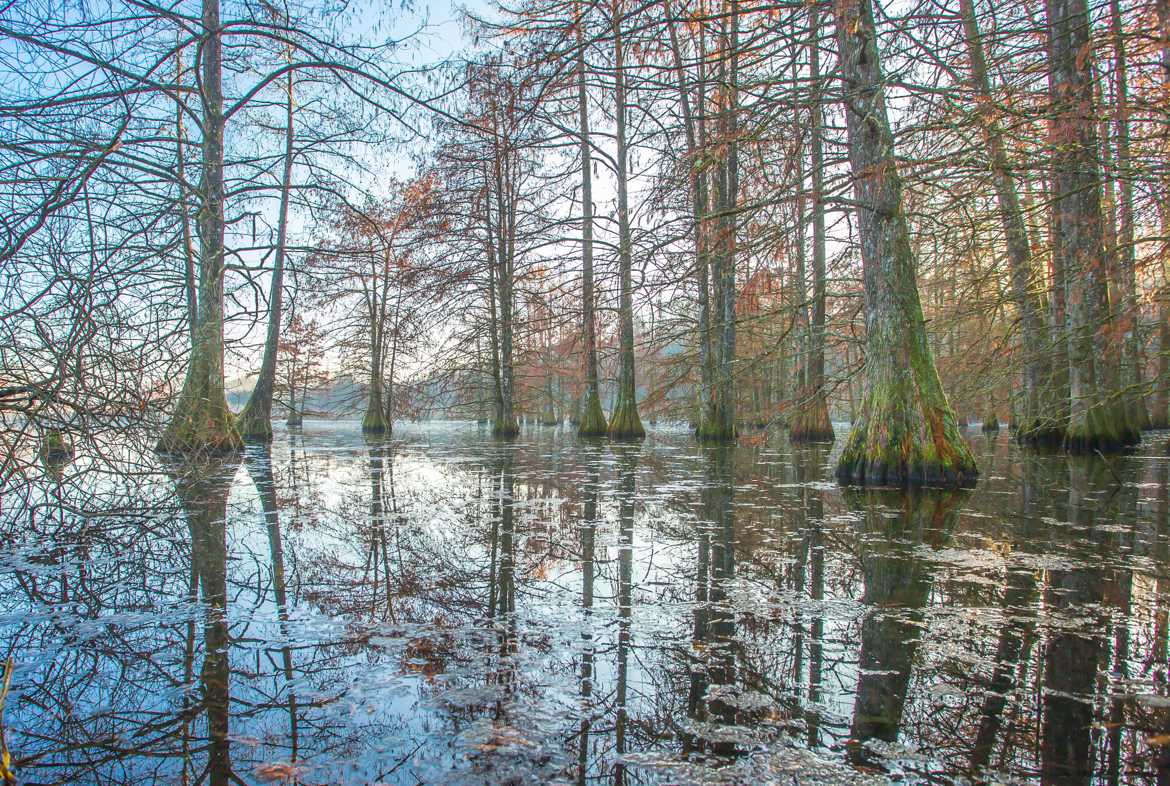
[442,608]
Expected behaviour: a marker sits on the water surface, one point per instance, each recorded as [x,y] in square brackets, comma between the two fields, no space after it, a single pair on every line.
[442,608]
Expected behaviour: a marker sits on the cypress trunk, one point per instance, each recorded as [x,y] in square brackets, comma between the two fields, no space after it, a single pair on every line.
[696,136]
[506,425]
[1133,394]
[201,421]
[811,421]
[624,423]
[494,337]
[255,421]
[1036,422]
[500,231]
[1096,419]
[1160,417]
[591,421]
[719,423]
[374,421]
[905,432]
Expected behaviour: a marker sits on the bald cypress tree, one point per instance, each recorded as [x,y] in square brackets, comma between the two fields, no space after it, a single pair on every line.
[811,422]
[624,423]
[201,421]
[255,420]
[1040,420]
[906,432]
[1096,413]
[592,417]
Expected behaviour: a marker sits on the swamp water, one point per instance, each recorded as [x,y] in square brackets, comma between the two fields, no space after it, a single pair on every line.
[441,608]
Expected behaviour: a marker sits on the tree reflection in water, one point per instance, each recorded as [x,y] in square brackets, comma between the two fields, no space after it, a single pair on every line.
[894,527]
[203,489]
[447,609]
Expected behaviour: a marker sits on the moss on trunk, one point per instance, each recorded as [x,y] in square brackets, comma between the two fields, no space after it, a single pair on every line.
[715,429]
[592,423]
[55,451]
[811,421]
[374,421]
[1102,428]
[625,423]
[990,422]
[895,443]
[1040,429]
[255,420]
[505,428]
[1097,415]
[906,432]
[201,422]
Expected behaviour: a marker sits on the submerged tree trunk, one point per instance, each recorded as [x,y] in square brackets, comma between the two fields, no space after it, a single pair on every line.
[811,421]
[494,335]
[201,421]
[255,421]
[1096,419]
[1037,423]
[505,425]
[388,411]
[1133,393]
[720,424]
[591,422]
[906,431]
[695,129]
[1160,417]
[374,421]
[624,423]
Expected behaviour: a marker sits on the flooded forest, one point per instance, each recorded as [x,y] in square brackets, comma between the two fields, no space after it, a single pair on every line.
[592,392]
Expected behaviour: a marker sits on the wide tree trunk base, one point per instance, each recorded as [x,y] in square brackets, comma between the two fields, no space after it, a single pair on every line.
[505,429]
[374,422]
[1039,433]
[253,424]
[900,448]
[625,423]
[1100,430]
[1125,418]
[712,430]
[592,422]
[200,429]
[811,423]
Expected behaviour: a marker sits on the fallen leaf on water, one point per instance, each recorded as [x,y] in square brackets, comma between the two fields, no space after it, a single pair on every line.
[279,771]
